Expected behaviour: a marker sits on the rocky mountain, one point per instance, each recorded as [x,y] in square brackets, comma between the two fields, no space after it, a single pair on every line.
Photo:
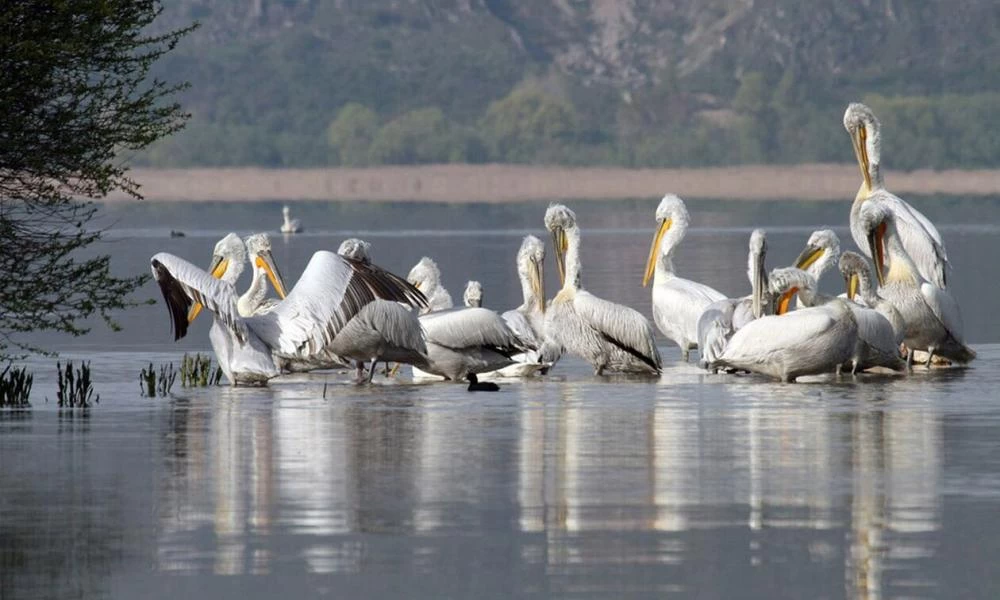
[289,65]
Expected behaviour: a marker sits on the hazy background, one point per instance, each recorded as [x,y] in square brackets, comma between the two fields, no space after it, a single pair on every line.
[581,82]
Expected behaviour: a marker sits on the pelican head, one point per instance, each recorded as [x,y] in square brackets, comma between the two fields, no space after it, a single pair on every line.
[757,273]
[823,244]
[670,214]
[425,276]
[228,252]
[559,220]
[856,274]
[864,129]
[285,211]
[259,249]
[473,296]
[877,222]
[530,260]
[356,249]
[787,282]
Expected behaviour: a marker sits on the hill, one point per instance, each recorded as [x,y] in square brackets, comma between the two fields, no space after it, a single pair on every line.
[625,82]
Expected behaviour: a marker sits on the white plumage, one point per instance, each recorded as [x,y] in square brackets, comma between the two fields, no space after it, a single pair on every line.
[426,277]
[788,345]
[932,317]
[917,235]
[461,341]
[289,225]
[677,302]
[331,291]
[527,321]
[609,336]
[473,296]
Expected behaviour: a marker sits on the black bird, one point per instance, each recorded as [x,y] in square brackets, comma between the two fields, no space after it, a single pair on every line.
[485,386]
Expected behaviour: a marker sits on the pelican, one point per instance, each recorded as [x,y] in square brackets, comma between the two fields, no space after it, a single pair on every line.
[821,252]
[677,302]
[933,320]
[880,326]
[289,225]
[917,235]
[788,345]
[461,341]
[722,318]
[331,291]
[382,330]
[527,321]
[607,335]
[426,277]
[255,300]
[473,296]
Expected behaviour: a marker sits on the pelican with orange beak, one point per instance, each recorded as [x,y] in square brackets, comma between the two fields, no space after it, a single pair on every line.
[809,341]
[917,234]
[677,302]
[933,322]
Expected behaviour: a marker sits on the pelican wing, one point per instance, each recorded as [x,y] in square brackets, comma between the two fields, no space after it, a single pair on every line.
[875,330]
[919,236]
[522,328]
[799,331]
[944,308]
[459,328]
[620,325]
[183,284]
[331,291]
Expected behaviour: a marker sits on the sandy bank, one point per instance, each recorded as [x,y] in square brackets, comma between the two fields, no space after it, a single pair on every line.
[504,183]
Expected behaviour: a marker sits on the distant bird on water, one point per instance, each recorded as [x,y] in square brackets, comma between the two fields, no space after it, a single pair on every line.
[290,225]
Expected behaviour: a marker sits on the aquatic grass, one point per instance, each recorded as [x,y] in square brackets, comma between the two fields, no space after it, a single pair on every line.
[15,387]
[151,385]
[76,390]
[196,371]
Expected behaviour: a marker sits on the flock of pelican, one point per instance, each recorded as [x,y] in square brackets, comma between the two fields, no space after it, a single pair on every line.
[345,310]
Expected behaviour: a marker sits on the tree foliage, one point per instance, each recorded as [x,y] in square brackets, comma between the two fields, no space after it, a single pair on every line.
[351,134]
[75,101]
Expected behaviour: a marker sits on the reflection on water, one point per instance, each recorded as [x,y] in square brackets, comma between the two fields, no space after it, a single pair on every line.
[831,489]
[695,485]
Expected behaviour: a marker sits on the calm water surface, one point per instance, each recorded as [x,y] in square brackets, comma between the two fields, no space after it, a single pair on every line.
[571,486]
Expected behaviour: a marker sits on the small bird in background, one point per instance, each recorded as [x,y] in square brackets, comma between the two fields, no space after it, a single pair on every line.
[290,225]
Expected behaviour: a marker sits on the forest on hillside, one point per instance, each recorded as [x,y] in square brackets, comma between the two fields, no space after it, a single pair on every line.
[642,83]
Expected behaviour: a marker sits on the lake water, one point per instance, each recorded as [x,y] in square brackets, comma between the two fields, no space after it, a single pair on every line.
[567,486]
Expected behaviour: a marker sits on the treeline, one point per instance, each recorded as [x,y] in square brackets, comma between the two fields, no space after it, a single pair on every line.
[663,126]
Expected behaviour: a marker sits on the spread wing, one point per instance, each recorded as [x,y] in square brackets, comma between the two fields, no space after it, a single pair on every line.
[457,328]
[184,284]
[620,325]
[331,291]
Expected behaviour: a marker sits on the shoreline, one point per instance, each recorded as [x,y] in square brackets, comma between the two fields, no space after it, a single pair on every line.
[515,183]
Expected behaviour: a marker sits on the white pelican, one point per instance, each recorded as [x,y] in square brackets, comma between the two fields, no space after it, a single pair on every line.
[933,320]
[607,335]
[473,296]
[381,331]
[255,300]
[880,326]
[289,225]
[788,345]
[330,292]
[426,277]
[722,318]
[527,321]
[677,302]
[461,341]
[917,235]
[820,254]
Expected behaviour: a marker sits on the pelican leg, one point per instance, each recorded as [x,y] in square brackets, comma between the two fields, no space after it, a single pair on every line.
[371,372]
[360,371]
[386,371]
[930,356]
[909,360]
